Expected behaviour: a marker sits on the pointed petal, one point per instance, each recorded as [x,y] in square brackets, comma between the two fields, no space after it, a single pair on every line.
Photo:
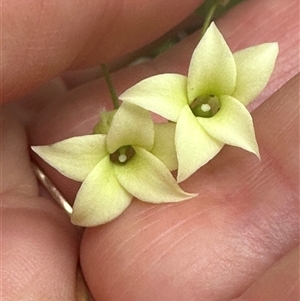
[195,147]
[254,68]
[74,157]
[148,179]
[232,125]
[212,69]
[131,125]
[164,144]
[163,94]
[100,198]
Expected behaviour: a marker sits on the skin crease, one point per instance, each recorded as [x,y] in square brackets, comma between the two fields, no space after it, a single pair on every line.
[42,39]
[236,241]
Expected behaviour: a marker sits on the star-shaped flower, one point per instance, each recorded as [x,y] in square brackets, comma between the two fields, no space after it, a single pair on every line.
[209,104]
[115,167]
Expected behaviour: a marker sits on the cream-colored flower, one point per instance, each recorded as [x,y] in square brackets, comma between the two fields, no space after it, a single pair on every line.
[209,104]
[115,167]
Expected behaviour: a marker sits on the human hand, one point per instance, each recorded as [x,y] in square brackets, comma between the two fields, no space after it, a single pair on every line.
[239,237]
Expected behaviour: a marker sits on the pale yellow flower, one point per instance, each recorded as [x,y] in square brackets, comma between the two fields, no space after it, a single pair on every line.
[208,105]
[126,162]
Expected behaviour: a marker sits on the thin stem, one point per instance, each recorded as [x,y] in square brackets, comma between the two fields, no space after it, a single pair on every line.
[209,17]
[110,85]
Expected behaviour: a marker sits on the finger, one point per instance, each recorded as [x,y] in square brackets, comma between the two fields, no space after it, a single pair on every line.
[197,244]
[280,282]
[252,23]
[31,105]
[214,246]
[75,112]
[42,39]
[39,246]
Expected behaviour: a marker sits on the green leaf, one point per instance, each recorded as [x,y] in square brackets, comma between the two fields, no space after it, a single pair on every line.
[74,157]
[149,180]
[254,69]
[163,94]
[194,146]
[100,198]
[232,125]
[131,125]
[212,69]
[164,144]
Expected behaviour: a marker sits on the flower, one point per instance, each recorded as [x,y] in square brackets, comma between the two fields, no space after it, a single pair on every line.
[115,167]
[208,105]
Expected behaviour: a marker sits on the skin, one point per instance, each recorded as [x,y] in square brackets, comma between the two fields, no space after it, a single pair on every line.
[238,240]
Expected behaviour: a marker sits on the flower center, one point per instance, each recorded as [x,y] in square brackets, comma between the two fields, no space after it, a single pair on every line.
[122,155]
[205,106]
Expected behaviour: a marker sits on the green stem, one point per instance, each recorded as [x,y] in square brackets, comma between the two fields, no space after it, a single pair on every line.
[209,18]
[111,88]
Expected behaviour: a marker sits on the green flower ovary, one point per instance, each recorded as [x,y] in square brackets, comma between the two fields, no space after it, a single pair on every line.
[205,106]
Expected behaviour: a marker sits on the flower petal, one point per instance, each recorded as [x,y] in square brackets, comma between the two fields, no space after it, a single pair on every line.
[212,69]
[163,94]
[254,67]
[232,125]
[74,157]
[194,146]
[164,144]
[148,179]
[100,198]
[131,125]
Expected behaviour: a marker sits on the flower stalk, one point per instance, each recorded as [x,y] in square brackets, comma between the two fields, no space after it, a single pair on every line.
[110,86]
[209,17]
